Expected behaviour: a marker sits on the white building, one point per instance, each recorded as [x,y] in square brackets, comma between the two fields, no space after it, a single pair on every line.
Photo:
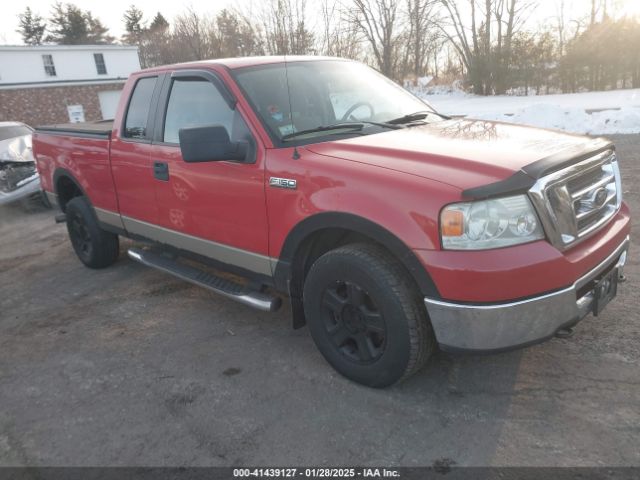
[38,84]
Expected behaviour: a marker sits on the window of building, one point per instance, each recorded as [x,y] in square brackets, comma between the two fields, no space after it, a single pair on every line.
[135,125]
[100,65]
[49,67]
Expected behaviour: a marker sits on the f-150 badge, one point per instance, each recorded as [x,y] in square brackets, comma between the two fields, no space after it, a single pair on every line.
[283,183]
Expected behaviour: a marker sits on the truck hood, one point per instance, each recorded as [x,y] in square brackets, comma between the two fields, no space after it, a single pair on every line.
[462,153]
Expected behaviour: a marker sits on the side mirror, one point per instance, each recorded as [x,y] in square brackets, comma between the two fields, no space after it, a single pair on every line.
[209,143]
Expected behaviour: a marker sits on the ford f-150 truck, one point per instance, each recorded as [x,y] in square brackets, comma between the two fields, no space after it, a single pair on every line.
[392,229]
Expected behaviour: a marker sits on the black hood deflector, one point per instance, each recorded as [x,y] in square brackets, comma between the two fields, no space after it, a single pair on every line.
[524,179]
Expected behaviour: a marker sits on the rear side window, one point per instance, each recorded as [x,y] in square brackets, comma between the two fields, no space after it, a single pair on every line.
[135,125]
[196,102]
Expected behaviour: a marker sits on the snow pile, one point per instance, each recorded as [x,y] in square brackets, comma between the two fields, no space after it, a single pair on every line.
[438,92]
[596,113]
[424,81]
[571,119]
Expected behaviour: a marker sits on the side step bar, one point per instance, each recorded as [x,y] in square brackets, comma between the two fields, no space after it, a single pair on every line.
[228,288]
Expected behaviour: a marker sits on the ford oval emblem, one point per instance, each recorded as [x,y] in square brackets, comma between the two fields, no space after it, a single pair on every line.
[600,197]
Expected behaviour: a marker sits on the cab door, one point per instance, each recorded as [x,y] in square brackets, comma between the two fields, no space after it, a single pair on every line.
[130,155]
[216,208]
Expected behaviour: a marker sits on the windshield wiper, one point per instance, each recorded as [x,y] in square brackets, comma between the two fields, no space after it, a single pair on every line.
[412,117]
[349,126]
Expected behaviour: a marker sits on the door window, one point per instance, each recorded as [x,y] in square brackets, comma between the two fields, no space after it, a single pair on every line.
[135,125]
[196,102]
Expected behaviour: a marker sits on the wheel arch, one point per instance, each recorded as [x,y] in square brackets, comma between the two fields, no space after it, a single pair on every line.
[325,231]
[66,187]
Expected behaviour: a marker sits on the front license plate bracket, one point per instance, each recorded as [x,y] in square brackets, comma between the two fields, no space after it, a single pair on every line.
[605,290]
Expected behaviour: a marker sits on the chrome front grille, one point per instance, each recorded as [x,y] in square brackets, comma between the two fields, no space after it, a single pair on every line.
[578,200]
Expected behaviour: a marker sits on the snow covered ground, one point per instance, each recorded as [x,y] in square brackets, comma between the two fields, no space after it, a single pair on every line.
[595,113]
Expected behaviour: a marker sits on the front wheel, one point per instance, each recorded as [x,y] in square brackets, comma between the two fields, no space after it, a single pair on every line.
[366,317]
[96,248]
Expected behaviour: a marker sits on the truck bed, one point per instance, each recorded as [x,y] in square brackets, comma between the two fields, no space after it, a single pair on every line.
[92,129]
[82,151]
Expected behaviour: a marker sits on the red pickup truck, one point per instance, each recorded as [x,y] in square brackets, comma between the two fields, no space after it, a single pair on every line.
[391,228]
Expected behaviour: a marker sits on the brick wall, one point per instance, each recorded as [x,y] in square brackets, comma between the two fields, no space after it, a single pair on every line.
[47,105]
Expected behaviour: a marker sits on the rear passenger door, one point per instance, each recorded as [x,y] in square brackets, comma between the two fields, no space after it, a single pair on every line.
[131,156]
[215,208]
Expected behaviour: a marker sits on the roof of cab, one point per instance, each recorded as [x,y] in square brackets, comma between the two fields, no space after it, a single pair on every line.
[241,62]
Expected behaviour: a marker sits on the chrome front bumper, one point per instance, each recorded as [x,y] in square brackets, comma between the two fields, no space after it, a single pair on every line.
[510,325]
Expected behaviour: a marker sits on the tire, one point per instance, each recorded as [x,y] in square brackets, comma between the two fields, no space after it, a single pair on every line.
[366,317]
[96,248]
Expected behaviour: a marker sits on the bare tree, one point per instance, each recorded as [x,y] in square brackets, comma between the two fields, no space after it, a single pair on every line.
[339,37]
[485,40]
[192,36]
[561,24]
[378,21]
[237,36]
[421,35]
[484,46]
[285,27]
[509,16]
[465,40]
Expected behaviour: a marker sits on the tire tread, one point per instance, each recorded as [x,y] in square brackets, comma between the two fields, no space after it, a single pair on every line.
[383,266]
[106,244]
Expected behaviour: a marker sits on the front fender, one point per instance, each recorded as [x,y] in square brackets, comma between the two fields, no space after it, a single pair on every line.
[398,210]
[401,203]
[346,221]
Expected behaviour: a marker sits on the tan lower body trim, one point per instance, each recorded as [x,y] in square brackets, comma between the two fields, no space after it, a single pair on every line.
[108,217]
[251,261]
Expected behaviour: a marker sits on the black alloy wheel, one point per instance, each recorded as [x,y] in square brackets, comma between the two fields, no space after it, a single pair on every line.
[353,322]
[366,315]
[80,236]
[95,247]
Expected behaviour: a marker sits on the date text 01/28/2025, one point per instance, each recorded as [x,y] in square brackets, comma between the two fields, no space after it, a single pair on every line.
[315,473]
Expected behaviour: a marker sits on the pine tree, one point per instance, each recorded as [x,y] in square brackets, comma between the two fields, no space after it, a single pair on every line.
[158,23]
[97,33]
[133,25]
[32,27]
[70,25]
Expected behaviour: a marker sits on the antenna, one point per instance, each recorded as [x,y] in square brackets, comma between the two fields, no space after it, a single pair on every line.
[296,154]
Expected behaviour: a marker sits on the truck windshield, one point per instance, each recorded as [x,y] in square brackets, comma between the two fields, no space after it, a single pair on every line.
[321,93]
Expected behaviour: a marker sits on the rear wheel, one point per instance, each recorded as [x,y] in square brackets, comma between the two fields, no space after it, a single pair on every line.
[96,248]
[365,315]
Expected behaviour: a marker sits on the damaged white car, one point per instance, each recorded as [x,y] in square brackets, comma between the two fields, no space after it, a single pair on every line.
[19,178]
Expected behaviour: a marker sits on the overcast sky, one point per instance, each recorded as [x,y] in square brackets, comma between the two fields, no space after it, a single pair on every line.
[110,11]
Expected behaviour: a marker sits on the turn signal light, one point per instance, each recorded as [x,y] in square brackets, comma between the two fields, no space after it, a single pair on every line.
[452,223]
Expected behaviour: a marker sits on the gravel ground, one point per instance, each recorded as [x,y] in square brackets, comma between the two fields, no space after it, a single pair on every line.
[129,366]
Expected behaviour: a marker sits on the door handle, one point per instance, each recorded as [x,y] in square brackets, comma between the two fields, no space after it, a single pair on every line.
[161,171]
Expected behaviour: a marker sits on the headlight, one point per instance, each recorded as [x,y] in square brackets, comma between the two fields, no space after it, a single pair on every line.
[494,223]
